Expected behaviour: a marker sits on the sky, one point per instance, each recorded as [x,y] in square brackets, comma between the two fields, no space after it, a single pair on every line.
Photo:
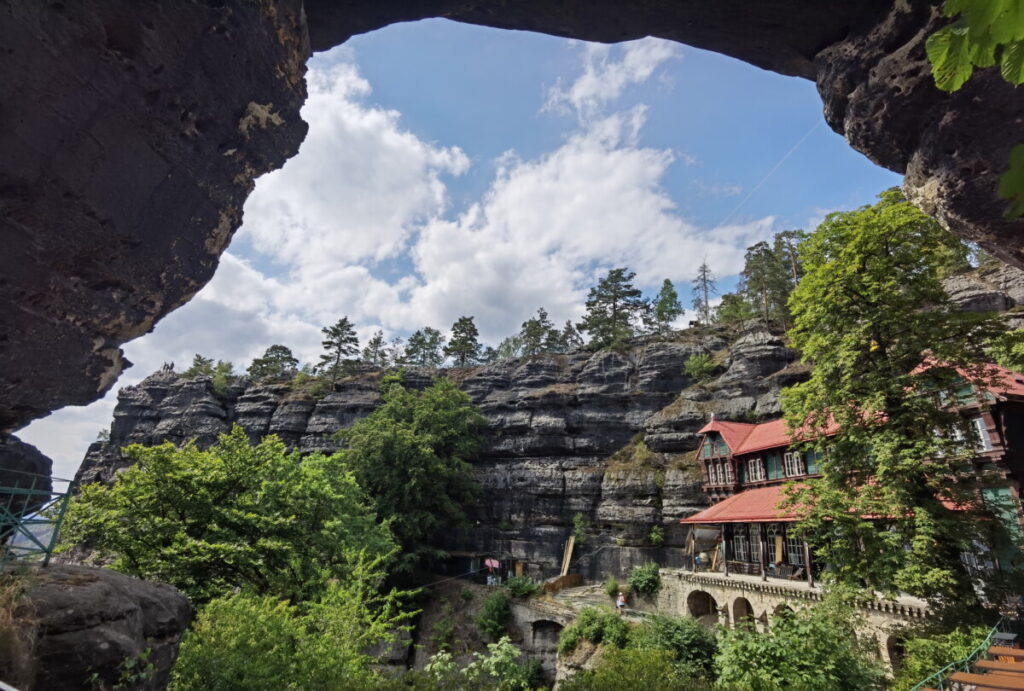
[452,170]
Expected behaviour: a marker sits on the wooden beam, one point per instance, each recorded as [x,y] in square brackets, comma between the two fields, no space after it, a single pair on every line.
[761,551]
[807,564]
[726,534]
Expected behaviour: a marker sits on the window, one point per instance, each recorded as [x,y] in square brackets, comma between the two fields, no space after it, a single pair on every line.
[794,550]
[774,467]
[741,544]
[727,476]
[755,470]
[793,464]
[711,474]
[984,438]
[706,448]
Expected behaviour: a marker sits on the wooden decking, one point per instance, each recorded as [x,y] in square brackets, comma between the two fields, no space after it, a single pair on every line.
[1002,671]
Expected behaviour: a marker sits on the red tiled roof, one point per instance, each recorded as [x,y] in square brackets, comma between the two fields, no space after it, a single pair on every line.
[733,432]
[752,506]
[1006,382]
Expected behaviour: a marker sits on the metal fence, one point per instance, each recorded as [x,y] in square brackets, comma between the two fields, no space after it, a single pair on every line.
[941,679]
[32,509]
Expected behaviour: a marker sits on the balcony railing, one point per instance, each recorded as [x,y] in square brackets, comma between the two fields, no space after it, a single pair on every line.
[32,509]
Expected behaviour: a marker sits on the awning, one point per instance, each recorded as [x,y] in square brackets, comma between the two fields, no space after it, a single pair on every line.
[759,505]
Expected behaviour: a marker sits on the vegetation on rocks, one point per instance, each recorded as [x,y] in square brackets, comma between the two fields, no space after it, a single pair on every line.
[645,579]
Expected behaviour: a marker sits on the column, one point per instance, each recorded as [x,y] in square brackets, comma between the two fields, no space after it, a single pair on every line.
[761,551]
[726,539]
[807,564]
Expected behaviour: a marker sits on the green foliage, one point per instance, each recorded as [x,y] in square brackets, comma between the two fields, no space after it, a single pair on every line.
[493,614]
[926,655]
[815,648]
[499,669]
[611,587]
[412,455]
[245,641]
[1008,350]
[595,625]
[521,586]
[204,367]
[691,644]
[569,339]
[466,594]
[233,516]
[734,308]
[222,374]
[613,307]
[1011,183]
[376,351]
[424,348]
[645,579]
[699,367]
[537,334]
[703,289]
[666,307]
[464,347]
[618,670]
[657,535]
[444,631]
[201,367]
[277,362]
[869,311]
[580,526]
[340,344]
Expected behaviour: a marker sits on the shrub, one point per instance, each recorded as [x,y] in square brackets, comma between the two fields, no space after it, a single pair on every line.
[699,367]
[611,586]
[521,586]
[645,579]
[493,615]
[17,630]
[691,645]
[633,669]
[467,594]
[925,655]
[579,529]
[444,630]
[500,669]
[657,536]
[596,626]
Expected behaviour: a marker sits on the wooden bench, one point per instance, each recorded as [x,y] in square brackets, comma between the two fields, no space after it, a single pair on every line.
[1003,682]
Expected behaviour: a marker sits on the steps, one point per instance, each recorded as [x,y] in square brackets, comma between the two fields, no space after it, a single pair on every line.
[1002,671]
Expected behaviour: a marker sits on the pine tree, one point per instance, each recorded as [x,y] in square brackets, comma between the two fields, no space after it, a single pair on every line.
[395,352]
[536,334]
[376,351]
[340,344]
[464,348]
[569,338]
[510,348]
[425,348]
[201,366]
[613,306]
[666,307]
[277,362]
[703,289]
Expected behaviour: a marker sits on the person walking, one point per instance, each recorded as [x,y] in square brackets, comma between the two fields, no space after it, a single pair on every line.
[620,603]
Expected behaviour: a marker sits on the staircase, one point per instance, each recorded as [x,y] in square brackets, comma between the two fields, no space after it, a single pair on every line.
[994,666]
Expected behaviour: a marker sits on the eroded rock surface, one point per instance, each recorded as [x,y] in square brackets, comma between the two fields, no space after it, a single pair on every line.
[606,435]
[132,133]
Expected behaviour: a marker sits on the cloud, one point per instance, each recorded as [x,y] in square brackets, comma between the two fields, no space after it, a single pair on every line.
[604,78]
[711,189]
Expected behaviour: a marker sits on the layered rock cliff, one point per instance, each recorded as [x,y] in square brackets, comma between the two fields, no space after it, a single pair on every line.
[606,435]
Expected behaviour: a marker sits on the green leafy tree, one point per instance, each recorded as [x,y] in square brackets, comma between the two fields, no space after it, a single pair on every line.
[569,339]
[340,344]
[691,644]
[538,334]
[277,362]
[767,283]
[510,348]
[233,516]
[734,308]
[700,367]
[201,366]
[985,33]
[222,373]
[704,288]
[924,655]
[870,311]
[815,648]
[613,306]
[599,626]
[376,351]
[645,579]
[412,456]
[1008,350]
[666,307]
[425,348]
[494,614]
[464,348]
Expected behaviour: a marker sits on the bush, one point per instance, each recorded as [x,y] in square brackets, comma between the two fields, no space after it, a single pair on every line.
[926,655]
[521,586]
[467,594]
[596,626]
[500,669]
[611,586]
[657,536]
[493,615]
[633,669]
[579,529]
[691,645]
[645,579]
[815,648]
[699,367]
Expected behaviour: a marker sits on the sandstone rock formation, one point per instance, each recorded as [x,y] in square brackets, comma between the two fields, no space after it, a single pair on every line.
[606,435]
[132,134]
[88,622]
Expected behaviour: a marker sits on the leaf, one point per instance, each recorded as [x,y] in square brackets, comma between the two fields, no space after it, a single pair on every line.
[1012,64]
[949,51]
[1011,183]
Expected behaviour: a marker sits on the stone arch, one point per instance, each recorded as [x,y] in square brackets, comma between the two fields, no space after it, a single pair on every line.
[544,633]
[782,609]
[702,606]
[895,650]
[742,613]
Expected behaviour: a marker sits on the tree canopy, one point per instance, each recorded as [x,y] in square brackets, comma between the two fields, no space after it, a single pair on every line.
[340,344]
[613,306]
[425,347]
[233,516]
[277,362]
[704,288]
[666,307]
[463,348]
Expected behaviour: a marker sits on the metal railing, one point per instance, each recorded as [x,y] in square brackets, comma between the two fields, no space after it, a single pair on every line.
[941,679]
[32,508]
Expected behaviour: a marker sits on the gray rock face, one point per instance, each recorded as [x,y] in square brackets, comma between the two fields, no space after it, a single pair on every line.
[990,289]
[90,621]
[563,433]
[132,136]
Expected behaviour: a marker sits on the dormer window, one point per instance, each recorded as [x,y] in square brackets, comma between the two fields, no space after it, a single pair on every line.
[755,470]
[793,464]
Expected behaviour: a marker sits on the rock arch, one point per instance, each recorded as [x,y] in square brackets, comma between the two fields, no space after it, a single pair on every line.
[123,179]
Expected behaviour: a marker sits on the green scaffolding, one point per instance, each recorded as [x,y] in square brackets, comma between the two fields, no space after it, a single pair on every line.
[32,508]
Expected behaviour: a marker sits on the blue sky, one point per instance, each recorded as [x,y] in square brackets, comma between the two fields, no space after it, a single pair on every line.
[456,170]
